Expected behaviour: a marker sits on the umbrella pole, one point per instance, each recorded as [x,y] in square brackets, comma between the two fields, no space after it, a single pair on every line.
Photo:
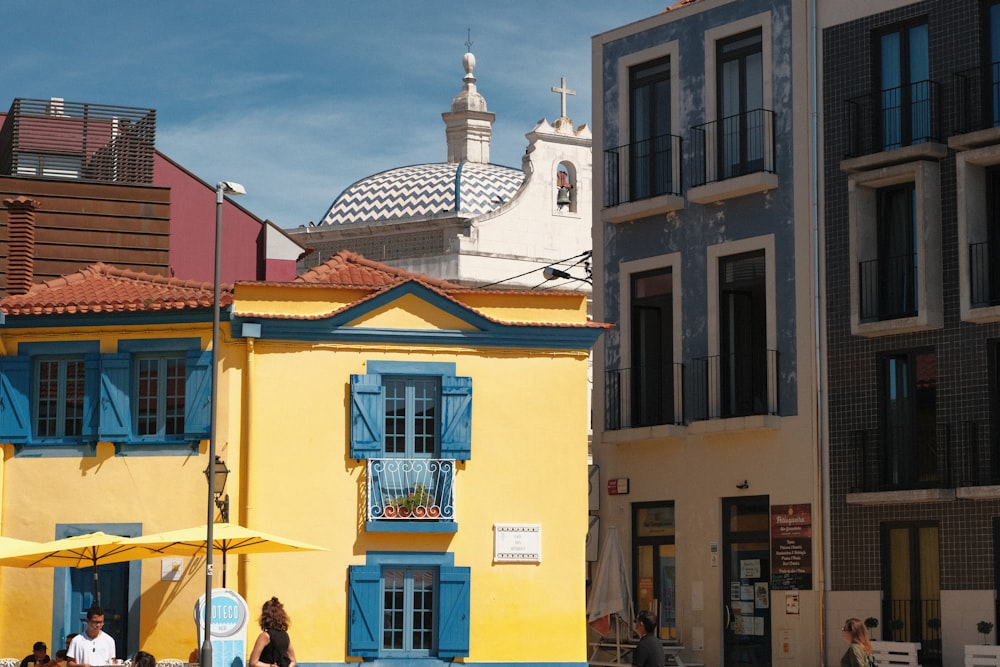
[223,568]
[97,588]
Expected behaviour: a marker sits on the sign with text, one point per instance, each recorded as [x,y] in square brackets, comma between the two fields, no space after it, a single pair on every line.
[229,619]
[791,547]
[517,543]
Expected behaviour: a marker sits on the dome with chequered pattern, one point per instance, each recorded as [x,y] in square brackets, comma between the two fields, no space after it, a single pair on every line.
[424,190]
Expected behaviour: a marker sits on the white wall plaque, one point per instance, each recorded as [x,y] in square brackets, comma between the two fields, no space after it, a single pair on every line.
[517,543]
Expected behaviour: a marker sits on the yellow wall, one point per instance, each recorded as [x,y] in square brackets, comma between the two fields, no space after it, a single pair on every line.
[283,429]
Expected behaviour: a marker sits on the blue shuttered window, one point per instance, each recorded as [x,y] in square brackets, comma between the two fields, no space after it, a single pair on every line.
[50,398]
[409,606]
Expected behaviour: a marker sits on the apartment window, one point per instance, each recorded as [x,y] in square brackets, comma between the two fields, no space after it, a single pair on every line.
[889,282]
[911,586]
[903,75]
[984,268]
[159,395]
[60,391]
[896,254]
[993,60]
[650,155]
[408,605]
[411,422]
[655,563]
[741,104]
[652,373]
[909,416]
[743,360]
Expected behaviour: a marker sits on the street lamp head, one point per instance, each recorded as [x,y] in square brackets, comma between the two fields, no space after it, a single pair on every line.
[230,188]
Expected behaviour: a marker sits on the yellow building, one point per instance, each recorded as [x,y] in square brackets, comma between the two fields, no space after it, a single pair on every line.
[431,438]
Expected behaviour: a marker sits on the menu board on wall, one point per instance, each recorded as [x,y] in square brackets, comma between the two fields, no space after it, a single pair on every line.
[791,547]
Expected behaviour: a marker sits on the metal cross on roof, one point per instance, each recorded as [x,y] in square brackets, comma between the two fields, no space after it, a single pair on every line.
[563,92]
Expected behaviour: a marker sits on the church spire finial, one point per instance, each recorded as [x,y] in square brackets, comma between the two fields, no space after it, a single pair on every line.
[468,41]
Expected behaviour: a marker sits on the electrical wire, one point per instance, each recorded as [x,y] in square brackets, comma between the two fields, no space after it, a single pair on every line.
[583,256]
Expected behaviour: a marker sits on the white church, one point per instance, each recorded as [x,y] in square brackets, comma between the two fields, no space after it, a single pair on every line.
[469,221]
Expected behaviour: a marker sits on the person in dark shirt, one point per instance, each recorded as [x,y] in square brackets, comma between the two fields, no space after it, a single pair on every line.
[649,652]
[39,656]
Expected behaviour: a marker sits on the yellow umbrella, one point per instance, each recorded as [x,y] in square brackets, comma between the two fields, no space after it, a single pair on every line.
[11,547]
[87,550]
[226,538]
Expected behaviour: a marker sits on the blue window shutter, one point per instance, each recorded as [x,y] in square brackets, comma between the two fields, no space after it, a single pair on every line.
[91,396]
[15,409]
[198,395]
[116,415]
[453,638]
[456,418]
[363,610]
[367,416]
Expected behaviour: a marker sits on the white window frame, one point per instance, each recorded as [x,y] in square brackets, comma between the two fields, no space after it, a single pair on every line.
[862,196]
[970,167]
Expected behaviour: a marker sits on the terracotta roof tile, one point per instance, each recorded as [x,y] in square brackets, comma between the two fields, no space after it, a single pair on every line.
[349,269]
[102,288]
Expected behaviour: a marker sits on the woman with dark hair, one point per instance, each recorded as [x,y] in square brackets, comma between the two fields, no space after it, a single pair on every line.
[273,647]
[859,653]
[143,659]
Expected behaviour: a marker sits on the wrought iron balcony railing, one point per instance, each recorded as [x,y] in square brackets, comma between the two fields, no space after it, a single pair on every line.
[977,99]
[411,489]
[905,458]
[73,140]
[888,288]
[642,170]
[644,396]
[893,118]
[734,385]
[734,146]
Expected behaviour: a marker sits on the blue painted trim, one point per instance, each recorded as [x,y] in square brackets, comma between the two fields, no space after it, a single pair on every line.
[157,448]
[458,187]
[139,345]
[108,319]
[403,526]
[427,558]
[435,662]
[61,579]
[377,367]
[530,337]
[59,348]
[42,451]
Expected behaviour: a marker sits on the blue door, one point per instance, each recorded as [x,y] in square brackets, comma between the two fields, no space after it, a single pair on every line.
[112,586]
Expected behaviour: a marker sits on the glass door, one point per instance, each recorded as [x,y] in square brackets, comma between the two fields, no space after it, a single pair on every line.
[746,577]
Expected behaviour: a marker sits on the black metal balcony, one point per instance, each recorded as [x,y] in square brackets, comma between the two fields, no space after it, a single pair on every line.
[73,140]
[643,396]
[734,146]
[734,385]
[984,276]
[906,458]
[977,99]
[893,118]
[888,288]
[642,170]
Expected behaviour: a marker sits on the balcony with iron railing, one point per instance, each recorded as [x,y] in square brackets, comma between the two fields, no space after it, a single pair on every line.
[81,141]
[984,276]
[894,118]
[976,98]
[734,385]
[404,493]
[888,288]
[647,171]
[734,146]
[644,396]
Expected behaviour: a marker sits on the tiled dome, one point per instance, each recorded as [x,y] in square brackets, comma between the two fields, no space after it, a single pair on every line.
[425,189]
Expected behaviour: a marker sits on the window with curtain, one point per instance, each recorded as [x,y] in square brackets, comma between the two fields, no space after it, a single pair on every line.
[897,251]
[741,104]
[909,408]
[911,600]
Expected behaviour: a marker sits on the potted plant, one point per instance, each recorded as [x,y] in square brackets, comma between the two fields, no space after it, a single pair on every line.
[984,628]
[896,626]
[871,623]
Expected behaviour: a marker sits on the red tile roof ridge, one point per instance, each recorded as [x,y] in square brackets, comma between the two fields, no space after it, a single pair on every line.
[347,268]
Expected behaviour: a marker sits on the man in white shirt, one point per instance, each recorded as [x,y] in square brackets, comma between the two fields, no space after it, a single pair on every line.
[93,647]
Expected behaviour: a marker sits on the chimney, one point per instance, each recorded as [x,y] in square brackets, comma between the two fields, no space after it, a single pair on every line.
[20,244]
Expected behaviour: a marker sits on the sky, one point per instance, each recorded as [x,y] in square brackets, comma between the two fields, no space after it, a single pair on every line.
[298,99]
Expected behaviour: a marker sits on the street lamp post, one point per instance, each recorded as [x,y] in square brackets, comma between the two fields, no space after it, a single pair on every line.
[222,188]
